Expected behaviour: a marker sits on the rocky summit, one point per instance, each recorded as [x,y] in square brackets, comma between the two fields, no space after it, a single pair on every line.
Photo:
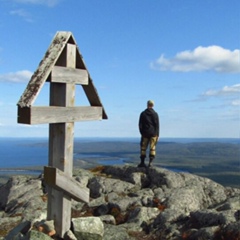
[126,202]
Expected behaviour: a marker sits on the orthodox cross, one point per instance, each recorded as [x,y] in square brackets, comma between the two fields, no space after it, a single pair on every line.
[63,67]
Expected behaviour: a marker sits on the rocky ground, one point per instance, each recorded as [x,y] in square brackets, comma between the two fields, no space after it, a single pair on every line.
[126,203]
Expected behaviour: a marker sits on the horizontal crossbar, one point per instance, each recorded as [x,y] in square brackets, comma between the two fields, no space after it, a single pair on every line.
[52,114]
[57,179]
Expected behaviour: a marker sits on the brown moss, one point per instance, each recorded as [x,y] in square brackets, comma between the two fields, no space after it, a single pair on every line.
[115,211]
[44,198]
[97,169]
[16,215]
[84,212]
[6,228]
[185,235]
[142,235]
[224,235]
[158,204]
[119,217]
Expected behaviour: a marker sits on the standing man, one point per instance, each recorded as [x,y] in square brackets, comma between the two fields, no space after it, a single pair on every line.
[149,130]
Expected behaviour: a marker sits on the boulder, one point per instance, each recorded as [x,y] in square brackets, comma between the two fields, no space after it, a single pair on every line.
[69,235]
[126,202]
[23,196]
[33,235]
[89,228]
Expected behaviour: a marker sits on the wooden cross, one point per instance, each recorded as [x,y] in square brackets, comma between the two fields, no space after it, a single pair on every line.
[63,67]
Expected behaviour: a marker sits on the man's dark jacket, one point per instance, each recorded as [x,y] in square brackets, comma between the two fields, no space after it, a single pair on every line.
[149,123]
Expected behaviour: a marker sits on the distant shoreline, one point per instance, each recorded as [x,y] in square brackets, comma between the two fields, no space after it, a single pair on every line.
[134,139]
[217,159]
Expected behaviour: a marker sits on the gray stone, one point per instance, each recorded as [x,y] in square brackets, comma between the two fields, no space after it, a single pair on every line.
[124,203]
[109,219]
[69,235]
[203,233]
[23,197]
[165,217]
[129,201]
[97,201]
[100,185]
[231,203]
[207,218]
[140,218]
[82,176]
[33,235]
[101,210]
[116,233]
[184,200]
[88,228]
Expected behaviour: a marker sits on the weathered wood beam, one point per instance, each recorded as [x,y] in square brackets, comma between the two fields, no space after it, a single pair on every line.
[45,66]
[53,114]
[92,96]
[89,89]
[61,182]
[61,144]
[69,75]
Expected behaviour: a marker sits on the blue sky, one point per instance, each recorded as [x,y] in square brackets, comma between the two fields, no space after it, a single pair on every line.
[184,55]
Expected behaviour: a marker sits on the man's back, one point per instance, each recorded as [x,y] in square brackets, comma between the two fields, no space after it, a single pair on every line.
[149,123]
[149,129]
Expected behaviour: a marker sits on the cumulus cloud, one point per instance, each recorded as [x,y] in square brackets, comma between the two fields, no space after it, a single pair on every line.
[49,3]
[17,77]
[212,58]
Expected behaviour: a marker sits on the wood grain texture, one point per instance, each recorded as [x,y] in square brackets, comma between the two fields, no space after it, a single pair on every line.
[45,66]
[69,75]
[52,114]
[54,58]
[60,181]
[61,144]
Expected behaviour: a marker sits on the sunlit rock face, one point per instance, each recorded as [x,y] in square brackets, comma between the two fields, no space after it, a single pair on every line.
[127,202]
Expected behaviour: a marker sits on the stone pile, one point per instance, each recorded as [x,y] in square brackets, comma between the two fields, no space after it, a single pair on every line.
[126,202]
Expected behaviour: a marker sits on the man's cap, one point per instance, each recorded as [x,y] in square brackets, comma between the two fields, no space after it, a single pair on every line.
[150,102]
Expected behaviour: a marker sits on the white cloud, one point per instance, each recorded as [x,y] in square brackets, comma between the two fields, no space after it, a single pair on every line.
[229,94]
[22,13]
[49,3]
[19,12]
[225,91]
[17,77]
[236,102]
[212,58]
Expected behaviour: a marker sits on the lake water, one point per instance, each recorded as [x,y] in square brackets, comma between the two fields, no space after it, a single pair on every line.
[19,153]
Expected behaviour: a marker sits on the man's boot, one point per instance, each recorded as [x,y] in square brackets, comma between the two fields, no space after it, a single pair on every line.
[142,164]
[150,161]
